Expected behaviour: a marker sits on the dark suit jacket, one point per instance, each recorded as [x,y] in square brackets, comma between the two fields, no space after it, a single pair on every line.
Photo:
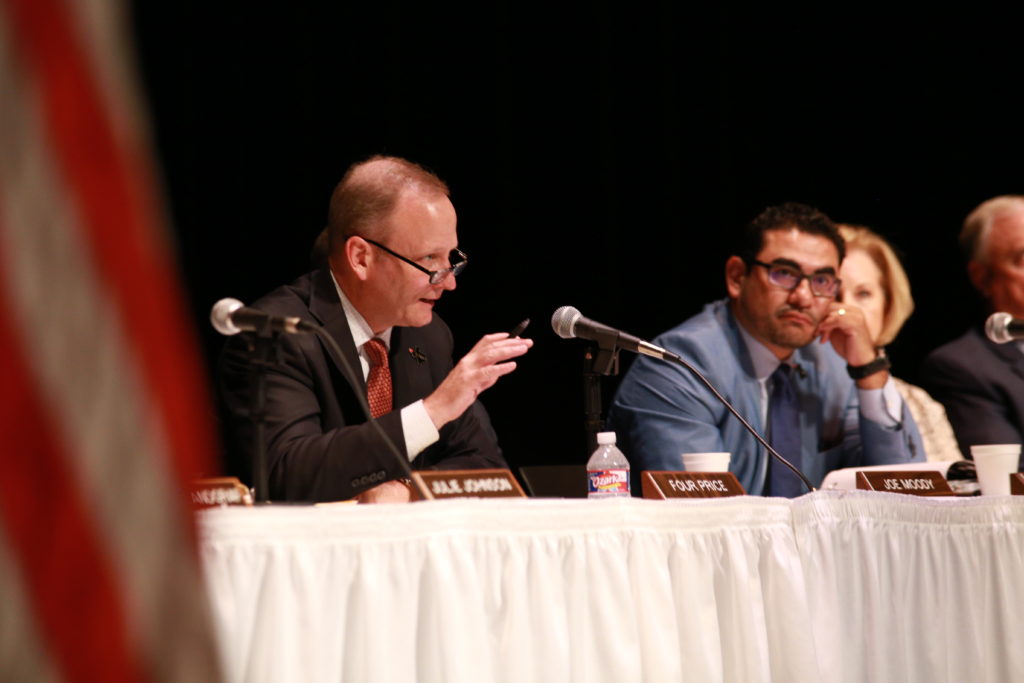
[319,446]
[981,385]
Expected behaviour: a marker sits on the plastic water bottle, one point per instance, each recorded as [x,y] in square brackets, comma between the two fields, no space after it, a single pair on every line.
[607,470]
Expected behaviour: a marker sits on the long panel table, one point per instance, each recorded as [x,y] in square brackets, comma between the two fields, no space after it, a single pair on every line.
[833,586]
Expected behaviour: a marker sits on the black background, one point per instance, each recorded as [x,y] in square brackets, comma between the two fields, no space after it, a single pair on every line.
[599,154]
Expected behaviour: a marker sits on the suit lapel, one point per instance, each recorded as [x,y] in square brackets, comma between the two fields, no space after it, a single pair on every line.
[751,399]
[1008,353]
[326,307]
[410,367]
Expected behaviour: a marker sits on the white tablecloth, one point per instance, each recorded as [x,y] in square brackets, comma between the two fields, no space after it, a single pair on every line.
[851,586]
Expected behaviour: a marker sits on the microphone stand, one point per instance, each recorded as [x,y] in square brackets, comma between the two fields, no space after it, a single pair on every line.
[600,359]
[264,348]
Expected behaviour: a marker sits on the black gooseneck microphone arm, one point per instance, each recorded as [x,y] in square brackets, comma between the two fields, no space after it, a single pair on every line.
[775,454]
[364,404]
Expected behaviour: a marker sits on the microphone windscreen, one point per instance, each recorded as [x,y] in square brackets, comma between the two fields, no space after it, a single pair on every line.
[563,321]
[220,316]
[996,328]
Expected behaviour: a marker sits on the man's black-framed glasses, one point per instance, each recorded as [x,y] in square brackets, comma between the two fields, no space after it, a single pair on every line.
[456,258]
[788,277]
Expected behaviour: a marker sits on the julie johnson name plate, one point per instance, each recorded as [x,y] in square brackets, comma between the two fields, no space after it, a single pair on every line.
[494,483]
[671,484]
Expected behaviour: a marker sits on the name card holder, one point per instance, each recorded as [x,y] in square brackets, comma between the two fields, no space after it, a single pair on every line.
[496,483]
[914,483]
[1017,484]
[673,484]
[219,491]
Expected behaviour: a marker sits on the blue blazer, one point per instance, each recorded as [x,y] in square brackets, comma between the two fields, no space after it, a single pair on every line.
[661,410]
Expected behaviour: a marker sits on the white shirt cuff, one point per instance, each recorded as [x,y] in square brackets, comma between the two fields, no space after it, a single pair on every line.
[884,406]
[419,429]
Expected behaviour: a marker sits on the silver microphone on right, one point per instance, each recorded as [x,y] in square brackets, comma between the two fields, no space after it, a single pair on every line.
[1002,328]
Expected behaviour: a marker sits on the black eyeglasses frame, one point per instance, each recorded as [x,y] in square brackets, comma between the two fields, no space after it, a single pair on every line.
[436,276]
[801,276]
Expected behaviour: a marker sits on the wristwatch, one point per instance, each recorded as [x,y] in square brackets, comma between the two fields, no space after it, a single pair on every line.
[877,365]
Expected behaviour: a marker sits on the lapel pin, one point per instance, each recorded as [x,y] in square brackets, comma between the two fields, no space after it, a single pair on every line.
[417,353]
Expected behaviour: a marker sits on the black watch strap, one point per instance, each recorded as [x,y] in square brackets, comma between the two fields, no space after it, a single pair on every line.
[862,371]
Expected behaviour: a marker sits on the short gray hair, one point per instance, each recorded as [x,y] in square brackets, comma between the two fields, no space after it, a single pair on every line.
[974,235]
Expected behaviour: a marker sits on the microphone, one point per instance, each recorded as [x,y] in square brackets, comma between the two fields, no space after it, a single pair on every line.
[231,316]
[568,322]
[1001,328]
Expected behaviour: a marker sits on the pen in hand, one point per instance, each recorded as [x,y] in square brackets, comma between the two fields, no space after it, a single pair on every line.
[518,329]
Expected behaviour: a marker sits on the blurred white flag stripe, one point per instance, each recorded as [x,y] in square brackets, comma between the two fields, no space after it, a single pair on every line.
[103,415]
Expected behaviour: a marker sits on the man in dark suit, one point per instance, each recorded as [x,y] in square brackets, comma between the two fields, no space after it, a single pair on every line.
[392,253]
[981,383]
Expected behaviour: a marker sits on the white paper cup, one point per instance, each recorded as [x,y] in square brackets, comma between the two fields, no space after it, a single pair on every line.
[995,463]
[706,462]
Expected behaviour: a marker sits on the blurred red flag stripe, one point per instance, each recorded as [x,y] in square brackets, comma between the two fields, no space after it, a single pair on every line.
[103,413]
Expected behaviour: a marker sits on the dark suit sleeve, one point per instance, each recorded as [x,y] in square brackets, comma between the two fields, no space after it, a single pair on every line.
[976,403]
[305,461]
[467,443]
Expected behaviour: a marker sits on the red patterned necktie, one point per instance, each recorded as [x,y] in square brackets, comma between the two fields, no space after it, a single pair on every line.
[378,382]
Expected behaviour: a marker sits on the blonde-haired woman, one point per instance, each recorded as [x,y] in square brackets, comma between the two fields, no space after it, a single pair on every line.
[873,279]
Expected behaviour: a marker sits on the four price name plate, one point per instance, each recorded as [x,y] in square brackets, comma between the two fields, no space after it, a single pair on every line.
[670,484]
[923,483]
[494,483]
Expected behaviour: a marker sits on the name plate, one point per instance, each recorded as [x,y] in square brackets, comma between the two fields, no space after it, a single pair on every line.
[219,491]
[468,484]
[671,484]
[923,483]
[1017,484]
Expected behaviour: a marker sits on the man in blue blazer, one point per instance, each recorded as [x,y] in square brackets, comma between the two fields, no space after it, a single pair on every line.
[842,409]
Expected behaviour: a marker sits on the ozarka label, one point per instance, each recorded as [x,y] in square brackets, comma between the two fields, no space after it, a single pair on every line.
[613,482]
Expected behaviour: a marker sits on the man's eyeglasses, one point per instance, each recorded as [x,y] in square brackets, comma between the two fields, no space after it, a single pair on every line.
[455,257]
[789,278]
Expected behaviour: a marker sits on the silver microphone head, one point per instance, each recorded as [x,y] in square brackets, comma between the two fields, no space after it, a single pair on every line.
[220,316]
[563,321]
[996,328]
